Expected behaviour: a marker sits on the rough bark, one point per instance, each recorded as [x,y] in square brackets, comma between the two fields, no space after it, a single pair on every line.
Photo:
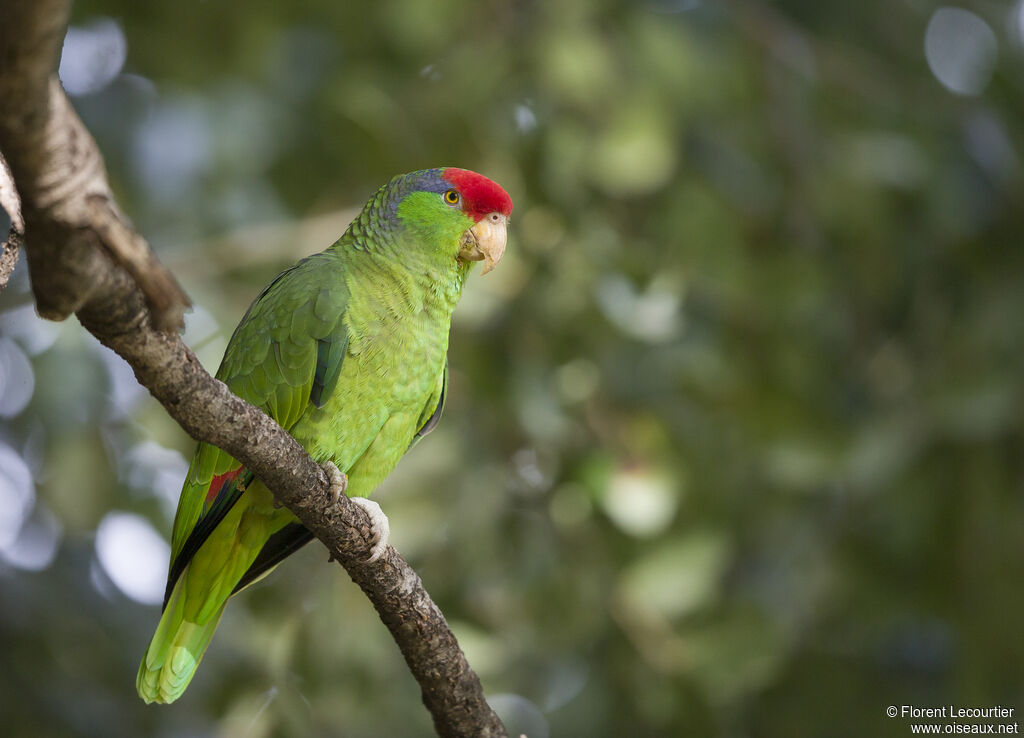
[9,256]
[85,258]
[12,206]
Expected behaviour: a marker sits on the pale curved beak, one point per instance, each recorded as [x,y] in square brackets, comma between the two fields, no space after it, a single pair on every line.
[485,241]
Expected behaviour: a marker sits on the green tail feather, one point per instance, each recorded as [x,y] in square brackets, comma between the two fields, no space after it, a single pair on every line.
[174,653]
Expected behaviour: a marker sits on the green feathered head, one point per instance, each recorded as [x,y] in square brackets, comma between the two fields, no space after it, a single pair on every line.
[455,211]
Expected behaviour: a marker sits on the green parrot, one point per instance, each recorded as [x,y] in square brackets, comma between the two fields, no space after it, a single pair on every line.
[346,350]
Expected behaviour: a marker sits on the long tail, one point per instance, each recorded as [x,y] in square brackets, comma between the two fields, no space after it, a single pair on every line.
[175,651]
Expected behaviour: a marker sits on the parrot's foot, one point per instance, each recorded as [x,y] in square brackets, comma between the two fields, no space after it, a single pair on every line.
[380,529]
[337,480]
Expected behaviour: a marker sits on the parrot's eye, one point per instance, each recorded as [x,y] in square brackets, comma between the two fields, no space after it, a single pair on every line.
[451,197]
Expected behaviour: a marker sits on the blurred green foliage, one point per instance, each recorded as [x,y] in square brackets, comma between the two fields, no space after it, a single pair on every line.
[733,444]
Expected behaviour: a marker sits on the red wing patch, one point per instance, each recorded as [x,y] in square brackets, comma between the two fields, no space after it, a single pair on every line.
[218,483]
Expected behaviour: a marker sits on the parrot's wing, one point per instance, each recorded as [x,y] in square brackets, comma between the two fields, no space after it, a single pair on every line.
[284,357]
[431,414]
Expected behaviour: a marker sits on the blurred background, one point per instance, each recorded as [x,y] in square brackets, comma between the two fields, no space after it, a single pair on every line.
[733,443]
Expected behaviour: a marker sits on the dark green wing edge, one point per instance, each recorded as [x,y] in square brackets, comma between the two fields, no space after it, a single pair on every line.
[435,417]
[330,352]
[278,547]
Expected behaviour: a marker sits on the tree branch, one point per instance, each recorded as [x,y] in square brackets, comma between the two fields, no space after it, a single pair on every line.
[84,258]
[12,205]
